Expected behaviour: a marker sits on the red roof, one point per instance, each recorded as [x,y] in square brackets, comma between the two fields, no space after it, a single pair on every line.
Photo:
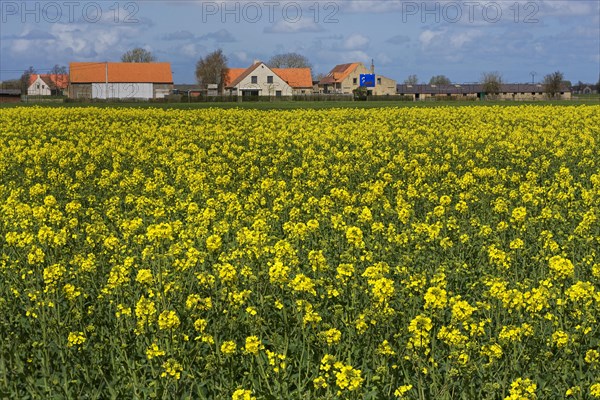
[232,75]
[295,77]
[339,73]
[89,72]
[244,74]
[59,81]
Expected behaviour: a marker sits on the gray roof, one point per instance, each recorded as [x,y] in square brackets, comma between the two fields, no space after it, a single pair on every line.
[471,88]
[10,92]
[186,87]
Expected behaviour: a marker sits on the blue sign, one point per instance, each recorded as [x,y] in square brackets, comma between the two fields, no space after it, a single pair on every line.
[367,80]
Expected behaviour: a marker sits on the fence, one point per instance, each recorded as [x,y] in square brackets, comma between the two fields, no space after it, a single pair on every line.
[312,97]
[42,99]
[258,99]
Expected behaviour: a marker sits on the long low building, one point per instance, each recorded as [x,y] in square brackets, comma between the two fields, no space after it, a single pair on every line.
[98,80]
[10,95]
[508,91]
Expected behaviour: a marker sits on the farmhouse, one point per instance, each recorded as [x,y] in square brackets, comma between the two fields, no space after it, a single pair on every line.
[585,88]
[260,80]
[89,80]
[47,84]
[509,91]
[344,78]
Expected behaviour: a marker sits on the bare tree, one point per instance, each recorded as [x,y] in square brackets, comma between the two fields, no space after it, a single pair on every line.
[25,78]
[439,80]
[58,70]
[411,80]
[319,76]
[492,83]
[289,60]
[138,55]
[212,69]
[552,83]
[57,74]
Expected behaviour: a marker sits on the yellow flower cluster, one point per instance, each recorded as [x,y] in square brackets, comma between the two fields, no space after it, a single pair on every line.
[522,389]
[242,394]
[76,339]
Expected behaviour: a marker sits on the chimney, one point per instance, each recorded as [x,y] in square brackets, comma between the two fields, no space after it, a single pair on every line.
[255,62]
[372,66]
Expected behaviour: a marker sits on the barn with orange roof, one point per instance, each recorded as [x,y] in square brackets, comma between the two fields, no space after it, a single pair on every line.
[99,80]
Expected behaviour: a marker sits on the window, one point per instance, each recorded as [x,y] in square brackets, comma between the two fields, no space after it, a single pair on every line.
[278,93]
[269,79]
[254,79]
[354,81]
[379,81]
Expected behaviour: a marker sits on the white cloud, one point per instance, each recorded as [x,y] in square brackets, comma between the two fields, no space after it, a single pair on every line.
[358,55]
[355,41]
[20,46]
[288,26]
[220,36]
[427,36]
[460,39]
[65,42]
[191,50]
[382,59]
[563,8]
[332,57]
[371,6]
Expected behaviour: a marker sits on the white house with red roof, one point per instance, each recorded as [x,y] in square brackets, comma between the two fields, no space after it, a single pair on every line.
[260,80]
[47,84]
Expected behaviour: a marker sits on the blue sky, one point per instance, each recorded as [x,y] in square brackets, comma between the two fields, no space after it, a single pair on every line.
[460,39]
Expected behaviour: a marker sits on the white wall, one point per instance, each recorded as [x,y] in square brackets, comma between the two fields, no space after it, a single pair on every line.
[123,90]
[38,88]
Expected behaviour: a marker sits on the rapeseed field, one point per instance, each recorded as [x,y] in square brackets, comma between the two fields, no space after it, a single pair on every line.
[410,253]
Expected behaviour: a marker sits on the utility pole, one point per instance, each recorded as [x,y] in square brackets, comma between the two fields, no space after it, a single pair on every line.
[106,81]
[533,74]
